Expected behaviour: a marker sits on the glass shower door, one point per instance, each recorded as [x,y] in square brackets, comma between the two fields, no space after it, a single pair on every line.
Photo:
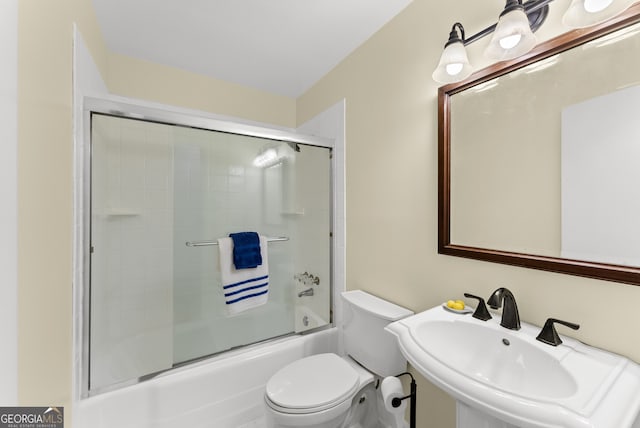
[161,197]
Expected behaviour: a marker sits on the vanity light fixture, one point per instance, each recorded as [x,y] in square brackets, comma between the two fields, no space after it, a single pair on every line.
[584,13]
[454,64]
[512,35]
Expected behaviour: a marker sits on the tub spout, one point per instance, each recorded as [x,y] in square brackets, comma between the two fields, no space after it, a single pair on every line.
[307,292]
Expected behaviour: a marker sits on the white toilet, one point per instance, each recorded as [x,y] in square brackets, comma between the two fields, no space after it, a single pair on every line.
[329,391]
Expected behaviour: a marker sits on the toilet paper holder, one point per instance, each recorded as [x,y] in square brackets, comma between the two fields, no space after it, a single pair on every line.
[397,401]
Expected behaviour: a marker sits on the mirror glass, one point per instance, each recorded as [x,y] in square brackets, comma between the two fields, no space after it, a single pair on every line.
[539,158]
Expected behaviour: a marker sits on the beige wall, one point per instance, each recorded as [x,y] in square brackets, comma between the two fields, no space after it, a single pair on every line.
[45,172]
[45,194]
[153,82]
[391,176]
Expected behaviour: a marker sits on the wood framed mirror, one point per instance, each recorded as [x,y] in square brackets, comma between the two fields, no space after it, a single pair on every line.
[513,183]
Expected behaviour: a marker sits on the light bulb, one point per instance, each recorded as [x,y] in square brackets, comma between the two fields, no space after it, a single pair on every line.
[266,158]
[454,68]
[510,41]
[454,65]
[594,6]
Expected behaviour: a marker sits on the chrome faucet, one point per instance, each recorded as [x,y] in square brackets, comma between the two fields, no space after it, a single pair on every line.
[307,292]
[510,316]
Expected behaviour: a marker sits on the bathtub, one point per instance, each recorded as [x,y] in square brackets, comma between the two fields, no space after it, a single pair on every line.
[221,392]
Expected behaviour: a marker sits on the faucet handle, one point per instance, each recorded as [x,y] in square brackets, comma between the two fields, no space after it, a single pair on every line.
[549,335]
[481,312]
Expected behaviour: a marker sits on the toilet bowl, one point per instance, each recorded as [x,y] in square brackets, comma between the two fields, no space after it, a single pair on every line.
[329,391]
[316,391]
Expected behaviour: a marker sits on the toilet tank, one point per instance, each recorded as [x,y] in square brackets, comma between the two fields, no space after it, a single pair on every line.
[365,339]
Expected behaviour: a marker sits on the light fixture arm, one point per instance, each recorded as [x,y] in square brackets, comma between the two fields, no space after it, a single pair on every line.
[453,34]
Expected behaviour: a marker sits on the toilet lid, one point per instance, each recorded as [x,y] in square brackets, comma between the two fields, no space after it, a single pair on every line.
[313,382]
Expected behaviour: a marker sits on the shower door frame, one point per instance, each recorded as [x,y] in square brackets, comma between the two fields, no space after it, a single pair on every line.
[169,115]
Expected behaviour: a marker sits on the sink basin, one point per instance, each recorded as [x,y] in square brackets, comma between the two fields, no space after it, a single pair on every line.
[487,355]
[517,379]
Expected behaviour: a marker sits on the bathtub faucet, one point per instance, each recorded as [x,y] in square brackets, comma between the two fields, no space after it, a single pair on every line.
[307,292]
[307,278]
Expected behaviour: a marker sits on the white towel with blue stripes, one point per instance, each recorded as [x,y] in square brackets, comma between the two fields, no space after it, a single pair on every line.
[243,288]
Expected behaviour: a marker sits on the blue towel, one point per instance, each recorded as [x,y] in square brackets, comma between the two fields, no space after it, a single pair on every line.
[246,250]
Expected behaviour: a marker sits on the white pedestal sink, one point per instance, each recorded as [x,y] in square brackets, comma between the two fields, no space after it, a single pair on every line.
[504,375]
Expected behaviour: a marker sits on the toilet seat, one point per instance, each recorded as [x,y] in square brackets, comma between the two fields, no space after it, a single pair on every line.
[312,384]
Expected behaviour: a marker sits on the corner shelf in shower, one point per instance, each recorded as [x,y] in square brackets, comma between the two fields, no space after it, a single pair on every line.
[119,213]
[293,213]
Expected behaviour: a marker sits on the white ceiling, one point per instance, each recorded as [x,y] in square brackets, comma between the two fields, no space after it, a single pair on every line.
[279,46]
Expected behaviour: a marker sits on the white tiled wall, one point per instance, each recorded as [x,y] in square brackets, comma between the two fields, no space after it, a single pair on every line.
[219,191]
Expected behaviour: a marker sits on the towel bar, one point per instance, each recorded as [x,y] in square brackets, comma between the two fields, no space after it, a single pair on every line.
[208,243]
